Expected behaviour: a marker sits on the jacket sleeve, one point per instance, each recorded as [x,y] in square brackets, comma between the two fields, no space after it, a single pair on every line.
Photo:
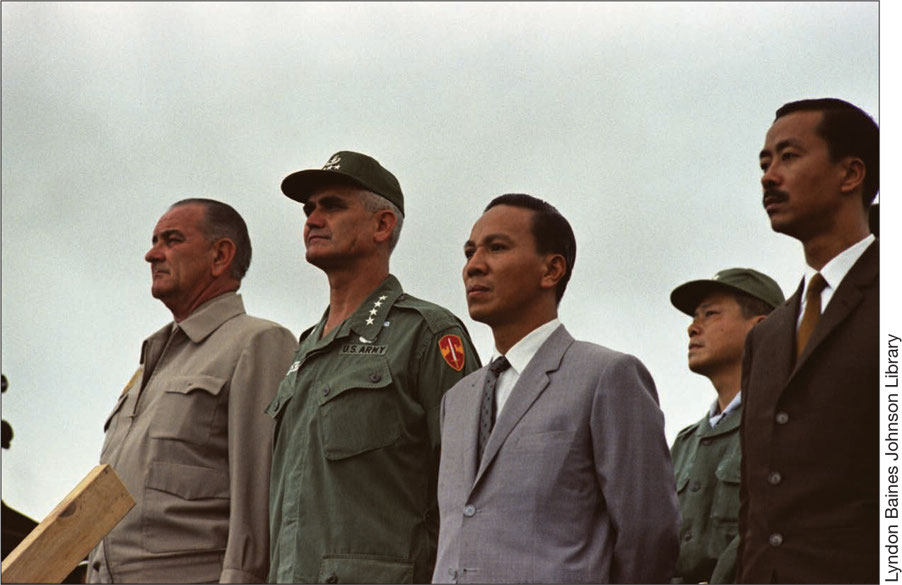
[436,376]
[634,471]
[260,368]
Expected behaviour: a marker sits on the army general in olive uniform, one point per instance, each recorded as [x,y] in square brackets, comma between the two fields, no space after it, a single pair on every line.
[356,450]
[707,455]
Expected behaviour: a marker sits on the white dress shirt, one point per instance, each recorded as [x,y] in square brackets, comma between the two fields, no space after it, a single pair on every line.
[833,272]
[519,357]
[714,413]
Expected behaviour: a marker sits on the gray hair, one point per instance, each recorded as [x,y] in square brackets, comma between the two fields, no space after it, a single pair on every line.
[373,203]
[222,221]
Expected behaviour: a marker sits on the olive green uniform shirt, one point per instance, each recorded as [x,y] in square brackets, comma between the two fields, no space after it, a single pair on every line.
[356,448]
[706,463]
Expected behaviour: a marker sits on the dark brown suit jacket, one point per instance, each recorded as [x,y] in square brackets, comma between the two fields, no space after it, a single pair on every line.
[809,489]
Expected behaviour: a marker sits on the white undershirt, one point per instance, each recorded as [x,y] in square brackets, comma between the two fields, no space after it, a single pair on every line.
[519,357]
[833,272]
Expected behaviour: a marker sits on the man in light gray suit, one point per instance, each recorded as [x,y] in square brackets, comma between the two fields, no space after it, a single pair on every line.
[554,464]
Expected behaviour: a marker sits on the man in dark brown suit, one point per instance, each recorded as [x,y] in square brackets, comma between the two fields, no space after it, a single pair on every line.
[809,489]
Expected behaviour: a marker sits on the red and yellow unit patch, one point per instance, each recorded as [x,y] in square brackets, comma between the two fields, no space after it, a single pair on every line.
[453,351]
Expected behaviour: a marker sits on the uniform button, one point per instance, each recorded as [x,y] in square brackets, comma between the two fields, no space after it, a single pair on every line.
[706,441]
[333,578]
[452,573]
[782,418]
[774,478]
[687,537]
[470,511]
[326,391]
[375,377]
[695,486]
[776,539]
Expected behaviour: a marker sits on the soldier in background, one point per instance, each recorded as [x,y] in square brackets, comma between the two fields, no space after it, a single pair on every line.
[706,455]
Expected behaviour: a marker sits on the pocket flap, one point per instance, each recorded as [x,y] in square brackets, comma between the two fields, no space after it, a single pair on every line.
[187,481]
[728,471]
[185,384]
[353,568]
[374,374]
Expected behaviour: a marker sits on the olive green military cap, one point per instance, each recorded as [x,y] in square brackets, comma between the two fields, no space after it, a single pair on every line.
[345,168]
[686,297]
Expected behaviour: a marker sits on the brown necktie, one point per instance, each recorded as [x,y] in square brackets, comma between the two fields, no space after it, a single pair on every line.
[812,312]
[487,412]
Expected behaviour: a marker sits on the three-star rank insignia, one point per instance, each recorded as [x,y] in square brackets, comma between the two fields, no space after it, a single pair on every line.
[453,351]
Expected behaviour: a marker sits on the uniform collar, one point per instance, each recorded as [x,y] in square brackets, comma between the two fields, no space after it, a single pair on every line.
[370,317]
[209,316]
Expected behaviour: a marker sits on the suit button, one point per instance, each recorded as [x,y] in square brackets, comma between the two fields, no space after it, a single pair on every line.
[326,391]
[782,418]
[687,537]
[774,478]
[470,511]
[706,441]
[695,486]
[333,578]
[776,539]
[375,377]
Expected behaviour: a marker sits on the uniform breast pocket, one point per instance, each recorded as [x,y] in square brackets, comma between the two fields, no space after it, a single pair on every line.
[359,411]
[187,408]
[725,506]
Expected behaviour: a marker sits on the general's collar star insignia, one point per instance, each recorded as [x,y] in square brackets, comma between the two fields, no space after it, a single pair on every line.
[383,297]
[369,321]
[373,311]
[377,304]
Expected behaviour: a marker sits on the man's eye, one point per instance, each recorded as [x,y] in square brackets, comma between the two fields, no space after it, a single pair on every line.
[468,253]
[788,155]
[497,247]
[308,209]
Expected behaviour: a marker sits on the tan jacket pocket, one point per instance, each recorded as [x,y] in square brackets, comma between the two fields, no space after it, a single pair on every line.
[187,408]
[185,508]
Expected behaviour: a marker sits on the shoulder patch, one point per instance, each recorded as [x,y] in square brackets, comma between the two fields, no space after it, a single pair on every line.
[452,348]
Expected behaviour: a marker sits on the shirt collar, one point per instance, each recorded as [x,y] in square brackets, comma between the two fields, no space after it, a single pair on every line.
[838,266]
[715,417]
[209,316]
[523,351]
[369,318]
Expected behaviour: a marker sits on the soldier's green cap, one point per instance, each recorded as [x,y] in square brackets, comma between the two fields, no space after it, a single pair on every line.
[345,168]
[686,297]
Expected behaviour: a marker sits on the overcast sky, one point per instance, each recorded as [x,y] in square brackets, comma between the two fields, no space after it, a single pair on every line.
[641,122]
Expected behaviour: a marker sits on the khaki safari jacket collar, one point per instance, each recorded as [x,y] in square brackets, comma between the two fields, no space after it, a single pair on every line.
[211,315]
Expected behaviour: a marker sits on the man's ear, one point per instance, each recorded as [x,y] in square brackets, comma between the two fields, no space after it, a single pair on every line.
[385,225]
[555,269]
[854,171]
[223,255]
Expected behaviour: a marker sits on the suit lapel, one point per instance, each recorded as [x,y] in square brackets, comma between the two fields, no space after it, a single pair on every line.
[532,382]
[848,296]
[472,406]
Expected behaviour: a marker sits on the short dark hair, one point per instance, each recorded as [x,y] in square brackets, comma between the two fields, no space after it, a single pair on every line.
[751,306]
[222,221]
[550,229]
[848,131]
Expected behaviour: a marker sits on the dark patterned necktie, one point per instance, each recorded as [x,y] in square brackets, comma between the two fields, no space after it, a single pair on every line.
[487,412]
[812,312]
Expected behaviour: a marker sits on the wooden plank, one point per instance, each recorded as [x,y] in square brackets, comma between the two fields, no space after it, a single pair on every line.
[70,531]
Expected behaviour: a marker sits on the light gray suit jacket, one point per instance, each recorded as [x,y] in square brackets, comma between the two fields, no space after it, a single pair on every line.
[576,483]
